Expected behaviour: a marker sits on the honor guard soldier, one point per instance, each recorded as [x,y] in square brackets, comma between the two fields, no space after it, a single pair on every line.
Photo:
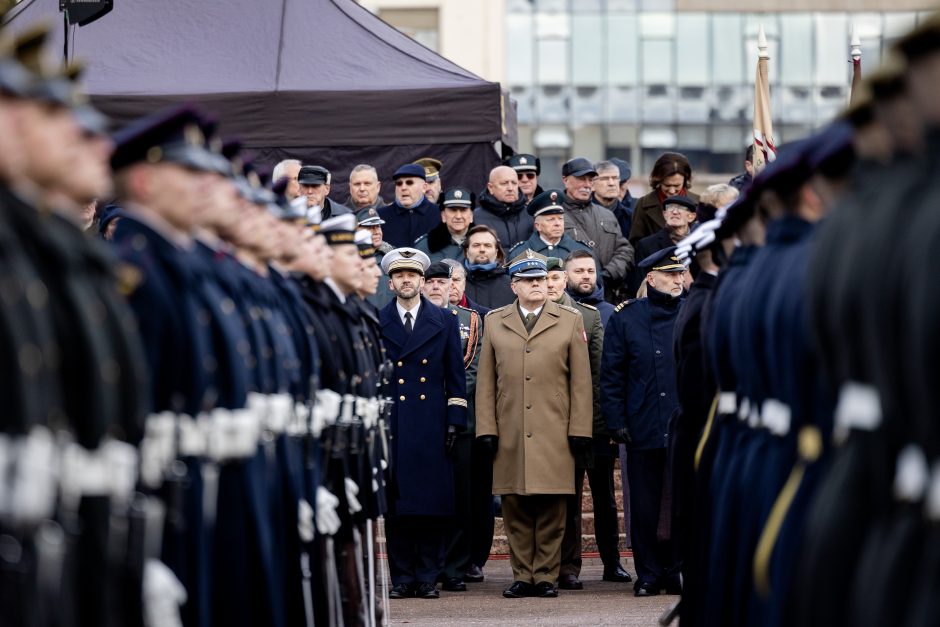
[429,388]
[638,396]
[458,558]
[444,240]
[534,415]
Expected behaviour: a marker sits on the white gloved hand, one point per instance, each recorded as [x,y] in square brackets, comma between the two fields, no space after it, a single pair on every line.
[327,518]
[163,596]
[305,521]
[352,491]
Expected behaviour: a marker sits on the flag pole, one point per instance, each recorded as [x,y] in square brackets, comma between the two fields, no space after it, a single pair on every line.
[856,54]
[764,149]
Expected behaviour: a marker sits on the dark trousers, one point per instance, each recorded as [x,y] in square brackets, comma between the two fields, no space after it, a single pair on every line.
[535,526]
[482,517]
[653,558]
[460,529]
[415,548]
[606,532]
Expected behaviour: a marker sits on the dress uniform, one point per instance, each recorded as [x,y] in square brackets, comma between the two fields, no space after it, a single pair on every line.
[429,387]
[534,412]
[546,204]
[638,395]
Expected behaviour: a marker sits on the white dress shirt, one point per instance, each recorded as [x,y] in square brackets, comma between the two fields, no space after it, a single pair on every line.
[414,313]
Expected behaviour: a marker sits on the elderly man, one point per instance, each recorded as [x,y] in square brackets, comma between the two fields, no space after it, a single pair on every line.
[412,214]
[314,183]
[594,225]
[534,415]
[597,462]
[432,175]
[679,212]
[549,237]
[611,192]
[364,188]
[288,169]
[502,208]
[638,396]
[487,281]
[528,168]
[444,240]
[429,385]
[460,531]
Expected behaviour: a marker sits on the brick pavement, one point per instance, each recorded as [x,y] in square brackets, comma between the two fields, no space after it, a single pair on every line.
[600,603]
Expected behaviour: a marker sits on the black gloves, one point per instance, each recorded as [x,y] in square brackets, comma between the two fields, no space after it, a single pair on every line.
[489,444]
[621,435]
[450,439]
[579,445]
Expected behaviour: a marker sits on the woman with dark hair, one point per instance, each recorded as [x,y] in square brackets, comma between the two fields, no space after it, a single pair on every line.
[671,176]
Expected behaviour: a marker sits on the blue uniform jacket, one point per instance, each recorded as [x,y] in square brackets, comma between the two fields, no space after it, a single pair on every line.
[638,369]
[429,388]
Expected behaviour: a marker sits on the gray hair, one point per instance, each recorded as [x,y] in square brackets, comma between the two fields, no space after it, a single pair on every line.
[364,167]
[454,265]
[719,195]
[606,165]
[279,169]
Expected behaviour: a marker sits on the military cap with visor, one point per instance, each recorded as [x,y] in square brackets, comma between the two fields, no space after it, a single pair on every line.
[339,230]
[458,197]
[169,136]
[405,258]
[528,265]
[432,168]
[547,203]
[664,260]
[523,162]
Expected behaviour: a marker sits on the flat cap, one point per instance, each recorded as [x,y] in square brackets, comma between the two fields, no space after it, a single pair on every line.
[410,169]
[579,166]
[313,175]
[684,201]
[438,270]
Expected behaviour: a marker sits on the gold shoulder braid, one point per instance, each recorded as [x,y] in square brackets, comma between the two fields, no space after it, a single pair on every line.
[472,339]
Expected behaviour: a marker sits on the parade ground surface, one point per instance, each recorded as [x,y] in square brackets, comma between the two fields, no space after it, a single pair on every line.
[600,603]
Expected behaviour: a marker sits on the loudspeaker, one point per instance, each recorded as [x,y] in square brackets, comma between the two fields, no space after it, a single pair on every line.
[83,12]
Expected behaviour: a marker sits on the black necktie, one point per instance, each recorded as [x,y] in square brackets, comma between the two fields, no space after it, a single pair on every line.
[408,325]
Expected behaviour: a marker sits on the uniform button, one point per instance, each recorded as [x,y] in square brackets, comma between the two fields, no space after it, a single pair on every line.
[528,435]
[423,379]
[401,382]
[528,406]
[401,398]
[528,377]
[424,361]
[528,350]
[421,397]
[662,394]
[658,352]
[400,364]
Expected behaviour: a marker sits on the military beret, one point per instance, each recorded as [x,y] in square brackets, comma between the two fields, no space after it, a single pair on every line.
[458,197]
[410,170]
[547,203]
[683,201]
[625,170]
[523,162]
[579,166]
[171,135]
[438,270]
[339,230]
[405,258]
[432,168]
[528,265]
[313,175]
[554,264]
[369,217]
[664,260]
[363,240]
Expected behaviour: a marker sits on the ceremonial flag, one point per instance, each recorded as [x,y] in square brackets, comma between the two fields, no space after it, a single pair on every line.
[856,65]
[765,151]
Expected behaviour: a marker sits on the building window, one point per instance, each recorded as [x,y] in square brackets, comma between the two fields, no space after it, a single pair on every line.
[422,25]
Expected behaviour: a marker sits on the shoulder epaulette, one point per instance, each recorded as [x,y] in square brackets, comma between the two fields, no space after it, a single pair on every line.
[492,311]
[625,303]
[453,311]
[586,306]
[513,247]
[420,237]
[385,247]
[467,309]
[569,308]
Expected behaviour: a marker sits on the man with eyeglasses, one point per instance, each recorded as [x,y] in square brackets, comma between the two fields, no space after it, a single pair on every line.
[679,213]
[528,168]
[412,214]
[611,192]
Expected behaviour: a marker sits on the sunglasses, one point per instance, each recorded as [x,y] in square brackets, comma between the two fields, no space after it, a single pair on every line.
[402,182]
[527,175]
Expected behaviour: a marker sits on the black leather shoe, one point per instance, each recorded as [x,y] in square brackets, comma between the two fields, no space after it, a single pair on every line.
[645,590]
[401,591]
[617,574]
[569,582]
[547,590]
[454,584]
[426,591]
[518,590]
[474,574]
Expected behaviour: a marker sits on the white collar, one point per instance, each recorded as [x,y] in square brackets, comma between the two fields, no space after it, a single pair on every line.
[332,285]
[534,311]
[402,311]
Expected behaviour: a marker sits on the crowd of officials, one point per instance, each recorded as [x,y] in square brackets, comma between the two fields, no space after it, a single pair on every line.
[217,380]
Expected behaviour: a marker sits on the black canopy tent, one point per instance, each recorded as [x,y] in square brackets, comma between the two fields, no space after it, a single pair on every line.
[323,81]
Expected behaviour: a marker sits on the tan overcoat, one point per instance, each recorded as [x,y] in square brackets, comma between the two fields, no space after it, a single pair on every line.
[533,391]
